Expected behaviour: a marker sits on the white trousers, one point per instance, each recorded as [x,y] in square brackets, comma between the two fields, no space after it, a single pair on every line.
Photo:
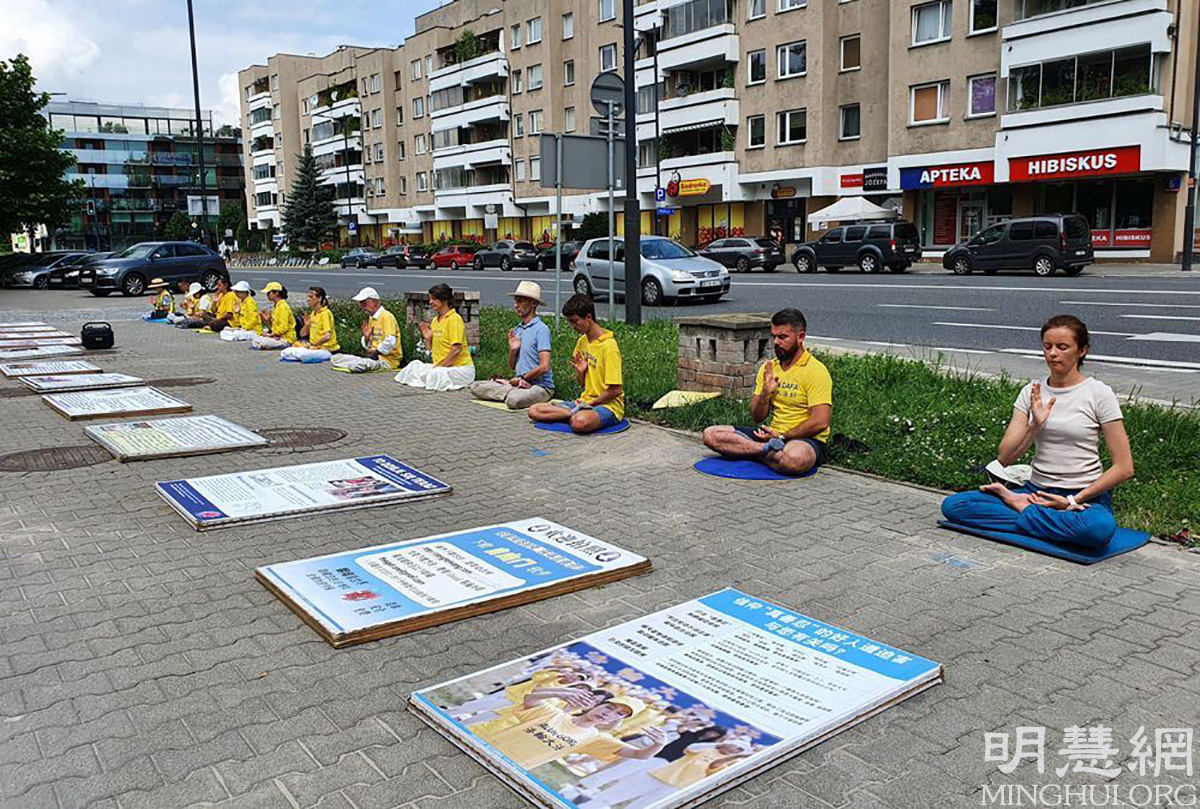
[357,365]
[176,317]
[264,343]
[419,374]
[306,354]
[237,335]
[642,789]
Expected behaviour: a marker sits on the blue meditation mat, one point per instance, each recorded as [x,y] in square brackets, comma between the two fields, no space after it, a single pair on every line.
[563,427]
[149,319]
[305,362]
[744,469]
[1124,541]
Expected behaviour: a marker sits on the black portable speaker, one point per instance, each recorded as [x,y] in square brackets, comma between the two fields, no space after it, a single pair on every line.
[97,335]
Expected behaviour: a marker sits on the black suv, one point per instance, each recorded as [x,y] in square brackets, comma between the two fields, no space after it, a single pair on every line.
[131,269]
[507,254]
[404,255]
[870,245]
[1041,243]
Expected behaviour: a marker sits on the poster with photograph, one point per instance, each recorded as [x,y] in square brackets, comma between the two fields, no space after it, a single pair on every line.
[297,491]
[56,383]
[385,590]
[50,368]
[99,404]
[38,351]
[172,438]
[673,708]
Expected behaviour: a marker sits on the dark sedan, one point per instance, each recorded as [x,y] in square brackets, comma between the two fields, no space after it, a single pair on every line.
[35,270]
[404,255]
[66,274]
[507,254]
[545,259]
[744,255]
[361,257]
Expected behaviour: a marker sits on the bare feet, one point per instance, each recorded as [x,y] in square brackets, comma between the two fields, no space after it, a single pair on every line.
[1018,502]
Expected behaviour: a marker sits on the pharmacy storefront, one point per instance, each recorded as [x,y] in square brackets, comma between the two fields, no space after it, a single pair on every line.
[950,202]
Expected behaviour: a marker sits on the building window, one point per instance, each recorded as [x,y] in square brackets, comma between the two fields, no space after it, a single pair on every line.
[419,107]
[788,5]
[697,15]
[416,69]
[983,16]
[931,22]
[1087,77]
[568,72]
[276,112]
[399,150]
[929,103]
[793,127]
[533,31]
[608,10]
[518,125]
[981,93]
[379,151]
[275,82]
[851,122]
[535,77]
[419,144]
[422,181]
[518,83]
[428,65]
[608,58]
[535,169]
[535,122]
[403,185]
[516,36]
[377,79]
[756,66]
[376,119]
[520,171]
[307,135]
[568,26]
[569,119]
[366,86]
[399,115]
[304,105]
[793,59]
[756,127]
[758,8]
[851,52]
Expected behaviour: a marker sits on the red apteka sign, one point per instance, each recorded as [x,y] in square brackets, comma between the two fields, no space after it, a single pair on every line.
[1119,160]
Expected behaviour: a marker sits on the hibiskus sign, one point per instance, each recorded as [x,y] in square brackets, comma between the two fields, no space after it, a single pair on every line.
[948,176]
[1120,160]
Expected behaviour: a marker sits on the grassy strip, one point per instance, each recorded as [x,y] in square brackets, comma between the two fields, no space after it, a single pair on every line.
[925,425]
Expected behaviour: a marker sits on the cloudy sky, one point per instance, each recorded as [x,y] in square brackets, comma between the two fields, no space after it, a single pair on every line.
[136,51]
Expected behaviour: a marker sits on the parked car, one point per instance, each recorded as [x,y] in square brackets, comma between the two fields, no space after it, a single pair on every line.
[743,254]
[507,254]
[453,256]
[66,274]
[546,256]
[870,245]
[669,271]
[362,257]
[131,269]
[35,270]
[404,255]
[1042,243]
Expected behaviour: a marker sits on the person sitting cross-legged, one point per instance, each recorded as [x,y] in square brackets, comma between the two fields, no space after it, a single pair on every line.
[279,320]
[380,338]
[446,335]
[795,389]
[528,356]
[193,303]
[597,363]
[318,336]
[245,323]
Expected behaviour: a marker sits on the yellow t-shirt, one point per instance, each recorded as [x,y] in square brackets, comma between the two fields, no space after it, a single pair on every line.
[801,388]
[604,369]
[191,305]
[693,767]
[449,330]
[283,322]
[516,694]
[165,300]
[320,324]
[546,733]
[227,305]
[247,317]
[383,326]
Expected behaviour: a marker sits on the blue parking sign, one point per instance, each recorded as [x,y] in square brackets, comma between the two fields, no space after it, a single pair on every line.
[660,194]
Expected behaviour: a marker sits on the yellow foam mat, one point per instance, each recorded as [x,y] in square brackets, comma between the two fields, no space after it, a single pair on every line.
[679,398]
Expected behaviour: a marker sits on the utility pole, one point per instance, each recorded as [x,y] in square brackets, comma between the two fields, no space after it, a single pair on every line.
[1189,215]
[633,212]
[199,128]
[346,162]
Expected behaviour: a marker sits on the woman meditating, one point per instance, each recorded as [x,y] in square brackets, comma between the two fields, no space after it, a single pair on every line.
[1068,498]
[318,336]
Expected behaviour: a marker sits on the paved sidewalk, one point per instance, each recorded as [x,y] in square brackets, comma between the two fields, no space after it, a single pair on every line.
[142,666]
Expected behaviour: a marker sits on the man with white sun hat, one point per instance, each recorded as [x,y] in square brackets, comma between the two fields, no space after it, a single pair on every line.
[528,356]
[380,338]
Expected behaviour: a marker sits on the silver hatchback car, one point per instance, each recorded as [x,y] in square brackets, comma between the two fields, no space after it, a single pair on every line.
[669,271]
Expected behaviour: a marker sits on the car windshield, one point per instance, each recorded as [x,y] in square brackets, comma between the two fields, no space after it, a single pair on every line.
[665,249]
[524,246]
[137,251]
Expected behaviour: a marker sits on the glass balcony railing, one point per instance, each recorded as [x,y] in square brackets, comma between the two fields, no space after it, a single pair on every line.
[1036,8]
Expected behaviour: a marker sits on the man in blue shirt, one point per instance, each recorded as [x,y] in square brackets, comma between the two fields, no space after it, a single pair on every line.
[528,356]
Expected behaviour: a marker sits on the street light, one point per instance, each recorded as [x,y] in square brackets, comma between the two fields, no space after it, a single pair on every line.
[199,126]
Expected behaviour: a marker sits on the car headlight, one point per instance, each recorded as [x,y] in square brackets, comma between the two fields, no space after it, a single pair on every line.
[681,277]
[106,271]
[22,276]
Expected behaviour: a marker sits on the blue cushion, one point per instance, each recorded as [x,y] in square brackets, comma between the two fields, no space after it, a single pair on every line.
[563,427]
[744,469]
[149,319]
[1124,541]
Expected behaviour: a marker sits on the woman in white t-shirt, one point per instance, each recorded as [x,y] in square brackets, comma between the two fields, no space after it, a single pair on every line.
[1068,499]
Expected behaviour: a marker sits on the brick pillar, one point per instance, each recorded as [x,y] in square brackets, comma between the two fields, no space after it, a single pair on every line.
[416,310]
[722,352]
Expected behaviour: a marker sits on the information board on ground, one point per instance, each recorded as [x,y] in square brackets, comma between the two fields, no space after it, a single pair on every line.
[39,351]
[385,590]
[718,689]
[60,368]
[100,404]
[172,438]
[61,383]
[33,334]
[297,491]
[34,342]
[24,325]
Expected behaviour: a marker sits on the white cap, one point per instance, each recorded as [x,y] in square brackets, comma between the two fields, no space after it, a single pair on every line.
[365,293]
[241,286]
[195,289]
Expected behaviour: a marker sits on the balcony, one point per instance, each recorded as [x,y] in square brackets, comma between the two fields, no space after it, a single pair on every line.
[259,101]
[487,110]
[470,155]
[719,168]
[490,66]
[336,175]
[1085,29]
[718,43]
[710,108]
[479,196]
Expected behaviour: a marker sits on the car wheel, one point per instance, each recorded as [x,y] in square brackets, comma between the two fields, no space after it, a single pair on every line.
[743,264]
[41,282]
[652,292]
[804,263]
[358,265]
[505,264]
[209,280]
[540,266]
[1043,266]
[1073,271]
[133,284]
[868,263]
[962,266]
[583,286]
[454,266]
[479,264]
[101,293]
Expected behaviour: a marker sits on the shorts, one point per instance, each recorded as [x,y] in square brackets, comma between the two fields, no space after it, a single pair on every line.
[818,446]
[607,417]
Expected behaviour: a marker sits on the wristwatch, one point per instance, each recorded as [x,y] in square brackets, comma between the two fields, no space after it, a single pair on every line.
[1071,500]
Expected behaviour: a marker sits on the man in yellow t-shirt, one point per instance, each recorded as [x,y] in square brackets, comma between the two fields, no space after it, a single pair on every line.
[795,389]
[279,320]
[380,338]
[224,307]
[597,363]
[451,367]
[245,323]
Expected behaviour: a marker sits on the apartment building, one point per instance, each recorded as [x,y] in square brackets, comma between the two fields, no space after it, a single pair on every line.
[751,115]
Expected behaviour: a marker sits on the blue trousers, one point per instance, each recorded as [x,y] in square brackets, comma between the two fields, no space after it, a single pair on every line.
[1091,528]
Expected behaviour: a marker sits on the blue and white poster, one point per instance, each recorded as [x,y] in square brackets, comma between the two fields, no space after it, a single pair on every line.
[383,590]
[295,491]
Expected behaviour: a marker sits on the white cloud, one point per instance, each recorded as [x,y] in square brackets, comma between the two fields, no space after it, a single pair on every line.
[55,42]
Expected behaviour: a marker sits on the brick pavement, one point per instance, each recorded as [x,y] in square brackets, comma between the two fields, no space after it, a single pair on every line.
[142,666]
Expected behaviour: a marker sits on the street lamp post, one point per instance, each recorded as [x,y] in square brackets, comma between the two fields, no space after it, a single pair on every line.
[1189,215]
[633,213]
[199,127]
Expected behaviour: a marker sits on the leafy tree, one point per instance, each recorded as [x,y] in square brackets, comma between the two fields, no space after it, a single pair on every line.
[309,214]
[593,226]
[179,227]
[33,189]
[467,47]
[232,217]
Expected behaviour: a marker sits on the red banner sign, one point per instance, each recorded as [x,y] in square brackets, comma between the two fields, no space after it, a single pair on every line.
[1128,238]
[852,181]
[1121,160]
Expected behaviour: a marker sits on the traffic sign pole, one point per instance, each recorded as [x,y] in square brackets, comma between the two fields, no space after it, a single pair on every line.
[612,216]
[633,213]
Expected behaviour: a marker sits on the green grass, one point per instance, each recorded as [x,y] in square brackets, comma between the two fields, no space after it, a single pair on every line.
[922,424]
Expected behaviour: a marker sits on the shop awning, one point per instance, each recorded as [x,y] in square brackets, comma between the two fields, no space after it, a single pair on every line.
[851,209]
[671,130]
